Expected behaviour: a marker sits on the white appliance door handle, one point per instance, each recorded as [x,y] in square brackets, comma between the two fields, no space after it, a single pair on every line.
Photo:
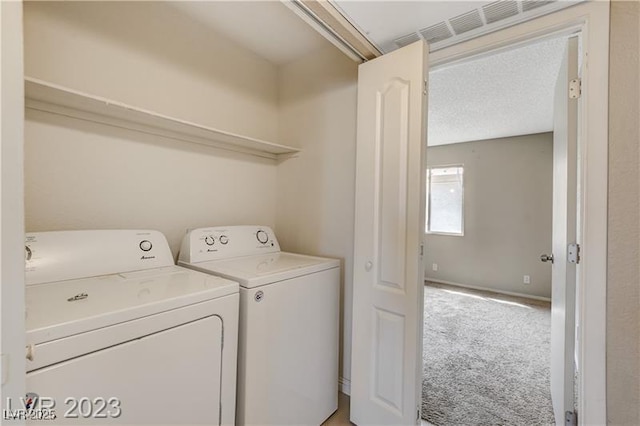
[368,265]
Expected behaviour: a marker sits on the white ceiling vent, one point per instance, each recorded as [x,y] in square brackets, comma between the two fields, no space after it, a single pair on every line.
[499,10]
[532,4]
[436,33]
[466,22]
[407,40]
[455,22]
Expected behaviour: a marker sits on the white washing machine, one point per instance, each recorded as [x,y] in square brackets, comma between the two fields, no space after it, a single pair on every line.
[289,308]
[117,333]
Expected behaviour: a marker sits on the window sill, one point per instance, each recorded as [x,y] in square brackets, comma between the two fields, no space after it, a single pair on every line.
[447,234]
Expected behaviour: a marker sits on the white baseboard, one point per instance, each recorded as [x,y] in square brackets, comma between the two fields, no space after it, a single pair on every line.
[345,386]
[509,293]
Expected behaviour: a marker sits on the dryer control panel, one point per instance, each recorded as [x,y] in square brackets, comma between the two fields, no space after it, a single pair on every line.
[223,242]
[65,255]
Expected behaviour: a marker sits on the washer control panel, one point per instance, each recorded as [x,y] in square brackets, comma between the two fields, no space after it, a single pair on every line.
[64,255]
[222,242]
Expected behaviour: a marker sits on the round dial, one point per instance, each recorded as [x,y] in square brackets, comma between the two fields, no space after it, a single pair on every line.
[209,240]
[262,236]
[224,239]
[145,245]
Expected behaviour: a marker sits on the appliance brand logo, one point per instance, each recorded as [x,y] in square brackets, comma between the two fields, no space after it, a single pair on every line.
[147,257]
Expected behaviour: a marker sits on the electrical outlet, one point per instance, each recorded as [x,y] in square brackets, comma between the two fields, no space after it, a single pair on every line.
[434,266]
[526,279]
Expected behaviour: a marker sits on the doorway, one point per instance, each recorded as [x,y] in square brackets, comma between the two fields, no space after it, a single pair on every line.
[593,20]
[490,186]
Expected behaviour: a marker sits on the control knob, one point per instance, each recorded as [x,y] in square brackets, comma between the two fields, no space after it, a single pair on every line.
[224,239]
[262,237]
[209,240]
[145,245]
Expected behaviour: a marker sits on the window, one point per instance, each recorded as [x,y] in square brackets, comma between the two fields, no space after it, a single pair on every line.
[445,196]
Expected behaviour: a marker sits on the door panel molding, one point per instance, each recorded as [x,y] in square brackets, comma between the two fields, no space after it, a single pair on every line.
[392,146]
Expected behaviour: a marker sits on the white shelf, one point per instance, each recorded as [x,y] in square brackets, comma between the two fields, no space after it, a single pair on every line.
[43,96]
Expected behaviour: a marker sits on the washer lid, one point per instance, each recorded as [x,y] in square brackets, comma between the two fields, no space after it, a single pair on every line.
[64,308]
[254,271]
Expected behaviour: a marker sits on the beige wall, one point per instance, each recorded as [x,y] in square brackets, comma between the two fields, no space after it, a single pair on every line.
[149,55]
[507,215]
[623,282]
[81,175]
[315,205]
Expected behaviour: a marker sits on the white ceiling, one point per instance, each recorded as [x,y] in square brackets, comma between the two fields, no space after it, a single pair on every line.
[505,94]
[267,28]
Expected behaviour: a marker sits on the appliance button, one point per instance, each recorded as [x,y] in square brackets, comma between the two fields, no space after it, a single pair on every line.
[224,239]
[145,245]
[262,236]
[209,240]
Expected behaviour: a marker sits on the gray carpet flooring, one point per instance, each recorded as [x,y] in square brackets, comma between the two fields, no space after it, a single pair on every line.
[486,359]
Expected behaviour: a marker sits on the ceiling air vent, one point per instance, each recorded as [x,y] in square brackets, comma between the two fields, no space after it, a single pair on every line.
[466,22]
[407,40]
[532,4]
[499,10]
[436,33]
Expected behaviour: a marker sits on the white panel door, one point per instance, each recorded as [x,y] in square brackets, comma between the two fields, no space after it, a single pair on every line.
[12,334]
[563,277]
[386,362]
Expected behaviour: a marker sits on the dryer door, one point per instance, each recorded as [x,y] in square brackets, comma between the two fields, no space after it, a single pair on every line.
[169,377]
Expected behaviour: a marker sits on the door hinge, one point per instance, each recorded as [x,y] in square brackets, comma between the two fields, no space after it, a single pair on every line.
[425,90]
[421,249]
[573,253]
[418,416]
[570,418]
[575,88]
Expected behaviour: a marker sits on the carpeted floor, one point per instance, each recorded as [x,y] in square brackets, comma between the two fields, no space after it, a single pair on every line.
[486,358]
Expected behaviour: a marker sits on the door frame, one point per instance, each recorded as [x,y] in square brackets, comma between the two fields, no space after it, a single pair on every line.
[592,21]
[12,307]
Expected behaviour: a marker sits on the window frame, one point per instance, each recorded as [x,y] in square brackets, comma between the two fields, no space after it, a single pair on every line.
[428,201]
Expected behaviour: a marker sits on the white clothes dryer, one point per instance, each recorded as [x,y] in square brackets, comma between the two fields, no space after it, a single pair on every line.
[289,310]
[118,334]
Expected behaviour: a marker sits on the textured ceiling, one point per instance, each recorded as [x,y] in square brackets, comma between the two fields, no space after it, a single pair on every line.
[267,28]
[505,94]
